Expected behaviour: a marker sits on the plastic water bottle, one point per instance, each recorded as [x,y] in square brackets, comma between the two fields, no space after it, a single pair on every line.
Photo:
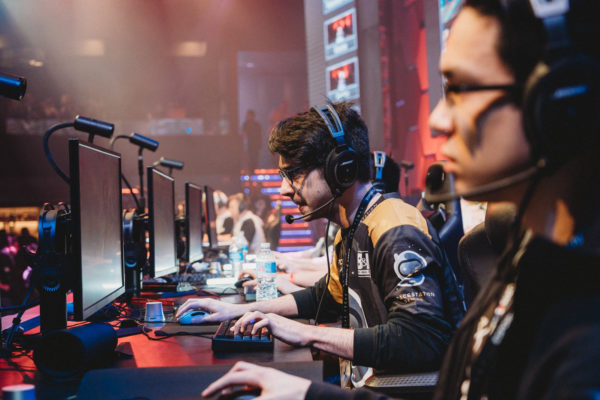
[265,273]
[236,256]
[243,246]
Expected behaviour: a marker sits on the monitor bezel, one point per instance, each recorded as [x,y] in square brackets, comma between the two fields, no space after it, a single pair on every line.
[151,228]
[80,312]
[191,186]
[213,238]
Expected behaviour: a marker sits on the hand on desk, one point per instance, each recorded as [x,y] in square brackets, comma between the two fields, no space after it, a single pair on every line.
[274,384]
[287,330]
[219,310]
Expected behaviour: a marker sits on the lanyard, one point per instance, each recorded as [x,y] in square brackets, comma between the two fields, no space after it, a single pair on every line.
[360,215]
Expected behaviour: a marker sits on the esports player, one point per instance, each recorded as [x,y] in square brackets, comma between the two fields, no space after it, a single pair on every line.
[533,332]
[303,269]
[402,301]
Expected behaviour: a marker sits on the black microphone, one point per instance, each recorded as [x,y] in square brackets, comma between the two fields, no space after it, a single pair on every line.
[143,141]
[166,162]
[12,86]
[93,126]
[488,187]
[289,219]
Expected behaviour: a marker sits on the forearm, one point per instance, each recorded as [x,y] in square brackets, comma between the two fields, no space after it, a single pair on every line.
[305,278]
[284,305]
[336,341]
[303,264]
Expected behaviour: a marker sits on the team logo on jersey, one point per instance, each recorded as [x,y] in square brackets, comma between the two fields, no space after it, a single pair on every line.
[362,263]
[408,266]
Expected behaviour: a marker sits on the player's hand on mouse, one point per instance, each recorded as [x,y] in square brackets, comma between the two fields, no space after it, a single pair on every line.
[248,278]
[246,273]
[274,384]
[287,330]
[219,310]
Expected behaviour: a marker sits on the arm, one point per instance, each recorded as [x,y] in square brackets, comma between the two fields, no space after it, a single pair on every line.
[416,333]
[333,340]
[306,278]
[302,264]
[275,384]
[221,311]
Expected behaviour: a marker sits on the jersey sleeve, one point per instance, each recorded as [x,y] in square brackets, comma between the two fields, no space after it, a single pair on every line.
[409,276]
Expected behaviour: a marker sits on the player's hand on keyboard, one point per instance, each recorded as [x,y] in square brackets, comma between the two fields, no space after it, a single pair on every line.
[219,310]
[274,384]
[287,330]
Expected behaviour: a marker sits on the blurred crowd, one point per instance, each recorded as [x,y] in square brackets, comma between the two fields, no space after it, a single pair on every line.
[15,272]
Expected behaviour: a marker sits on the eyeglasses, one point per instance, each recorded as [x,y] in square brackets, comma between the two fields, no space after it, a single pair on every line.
[289,174]
[513,89]
[461,88]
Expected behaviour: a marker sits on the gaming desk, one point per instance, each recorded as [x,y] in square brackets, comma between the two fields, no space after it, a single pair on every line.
[138,351]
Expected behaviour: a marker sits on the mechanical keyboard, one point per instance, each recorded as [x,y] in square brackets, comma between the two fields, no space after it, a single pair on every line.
[196,278]
[224,340]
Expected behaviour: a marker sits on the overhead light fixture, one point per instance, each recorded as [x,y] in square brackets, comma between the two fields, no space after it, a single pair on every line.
[91,48]
[190,48]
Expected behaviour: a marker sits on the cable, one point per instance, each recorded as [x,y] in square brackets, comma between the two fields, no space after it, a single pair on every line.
[16,321]
[19,307]
[328,263]
[47,149]
[137,203]
[112,141]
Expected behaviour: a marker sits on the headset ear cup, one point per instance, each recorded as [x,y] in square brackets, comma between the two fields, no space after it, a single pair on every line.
[561,108]
[341,169]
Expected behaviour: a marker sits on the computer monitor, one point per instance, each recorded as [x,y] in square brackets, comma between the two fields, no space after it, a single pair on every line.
[193,222]
[161,221]
[96,227]
[211,217]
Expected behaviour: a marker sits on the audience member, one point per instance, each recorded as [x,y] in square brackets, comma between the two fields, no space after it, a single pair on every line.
[224,221]
[246,222]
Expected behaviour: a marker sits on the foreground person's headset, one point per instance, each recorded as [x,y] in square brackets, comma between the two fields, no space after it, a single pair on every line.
[561,99]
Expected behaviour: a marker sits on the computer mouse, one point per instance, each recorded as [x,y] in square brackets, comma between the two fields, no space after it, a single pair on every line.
[193,317]
[239,284]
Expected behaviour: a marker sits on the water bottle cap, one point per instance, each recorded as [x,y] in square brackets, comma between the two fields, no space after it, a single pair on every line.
[265,245]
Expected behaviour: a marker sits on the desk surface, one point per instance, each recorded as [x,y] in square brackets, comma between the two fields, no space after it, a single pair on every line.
[177,351]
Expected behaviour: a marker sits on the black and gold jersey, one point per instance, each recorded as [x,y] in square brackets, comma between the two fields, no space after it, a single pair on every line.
[404,299]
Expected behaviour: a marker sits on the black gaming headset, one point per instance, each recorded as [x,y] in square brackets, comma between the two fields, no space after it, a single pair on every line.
[341,165]
[562,94]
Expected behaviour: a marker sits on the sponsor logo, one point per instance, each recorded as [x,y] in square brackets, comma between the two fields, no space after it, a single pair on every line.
[408,266]
[362,263]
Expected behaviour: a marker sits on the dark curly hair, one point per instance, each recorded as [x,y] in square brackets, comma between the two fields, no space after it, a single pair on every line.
[305,140]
